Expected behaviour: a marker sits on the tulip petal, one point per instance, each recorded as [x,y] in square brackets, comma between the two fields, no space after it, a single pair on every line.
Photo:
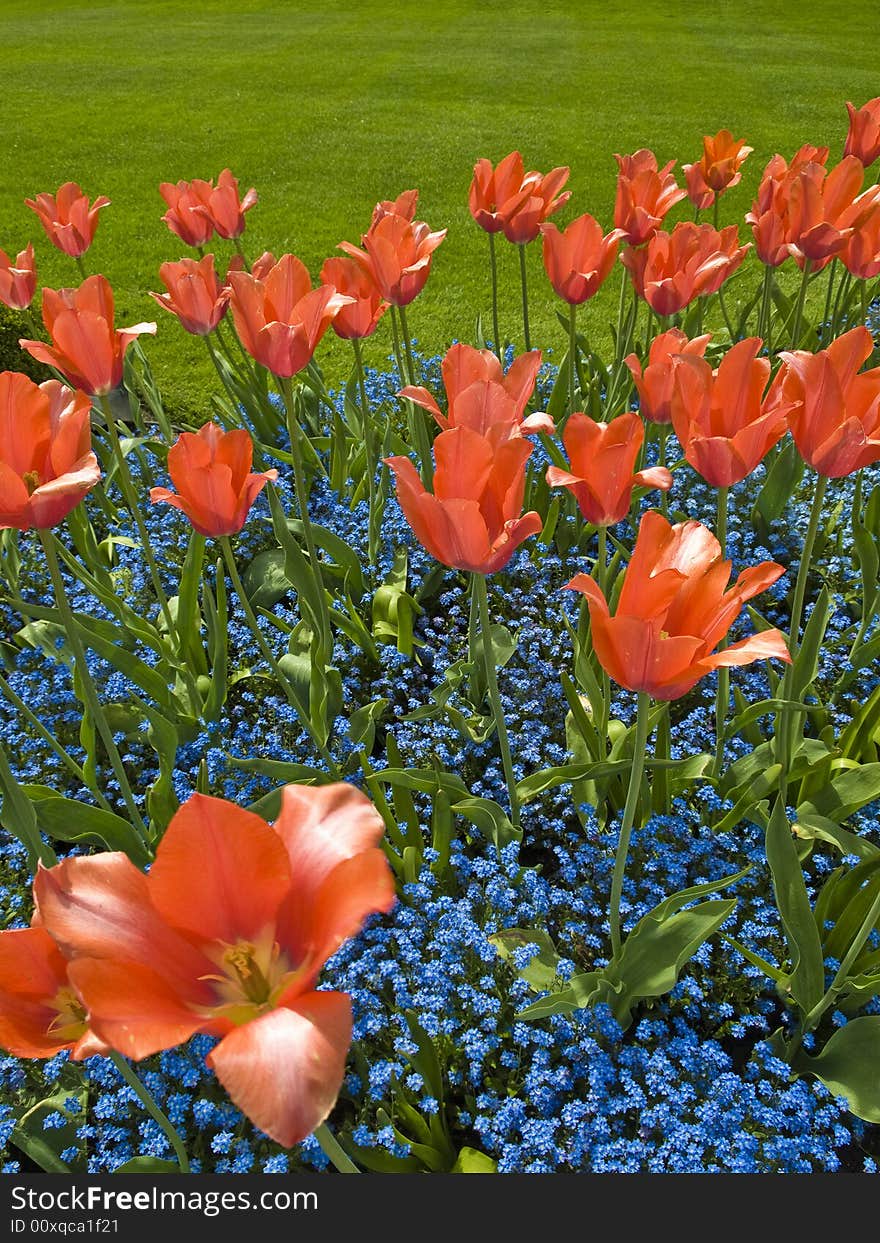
[134,1008]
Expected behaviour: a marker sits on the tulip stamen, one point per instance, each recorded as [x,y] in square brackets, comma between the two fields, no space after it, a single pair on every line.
[70,1020]
[31,481]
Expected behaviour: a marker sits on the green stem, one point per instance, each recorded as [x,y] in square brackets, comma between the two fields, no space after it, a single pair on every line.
[407,347]
[840,302]
[418,416]
[39,728]
[601,574]
[842,974]
[722,695]
[572,355]
[826,315]
[648,328]
[523,280]
[145,1097]
[90,694]
[728,323]
[82,267]
[663,430]
[494,696]
[799,309]
[302,493]
[493,269]
[715,205]
[269,656]
[369,446]
[621,344]
[331,1147]
[629,814]
[765,323]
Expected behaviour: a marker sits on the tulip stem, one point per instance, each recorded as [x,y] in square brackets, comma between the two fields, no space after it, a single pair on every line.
[39,728]
[826,315]
[302,493]
[369,449]
[640,743]
[334,1152]
[407,347]
[495,697]
[269,656]
[493,268]
[146,1099]
[523,280]
[799,309]
[722,694]
[82,267]
[87,686]
[601,573]
[840,302]
[417,416]
[764,319]
[620,349]
[727,320]
[573,377]
[715,206]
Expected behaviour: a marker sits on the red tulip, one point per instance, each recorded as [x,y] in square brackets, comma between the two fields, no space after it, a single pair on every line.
[835,420]
[187,213]
[70,222]
[823,210]
[279,317]
[211,470]
[718,169]
[674,609]
[404,205]
[473,520]
[692,260]
[724,422]
[861,255]
[769,214]
[194,294]
[497,193]
[46,460]
[225,208]
[644,195]
[397,256]
[18,281]
[481,397]
[86,348]
[544,199]
[654,385]
[602,457]
[863,139]
[361,316]
[157,958]
[40,1013]
[578,260]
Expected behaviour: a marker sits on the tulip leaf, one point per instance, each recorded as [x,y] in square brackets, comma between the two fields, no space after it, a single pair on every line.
[362,723]
[810,826]
[148,1165]
[848,1066]
[472,1161]
[491,819]
[344,556]
[846,793]
[216,623]
[542,970]
[778,488]
[44,1144]
[68,820]
[394,608]
[265,579]
[18,817]
[807,976]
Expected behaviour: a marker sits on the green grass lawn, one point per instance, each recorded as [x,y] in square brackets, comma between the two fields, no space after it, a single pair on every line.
[325,109]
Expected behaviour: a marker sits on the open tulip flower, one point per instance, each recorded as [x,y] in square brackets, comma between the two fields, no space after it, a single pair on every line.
[645,193]
[861,255]
[497,193]
[718,169]
[863,139]
[654,383]
[225,207]
[86,348]
[227,934]
[674,609]
[360,317]
[46,460]
[18,281]
[211,470]
[474,520]
[480,396]
[769,214]
[404,205]
[194,294]
[544,199]
[279,317]
[825,208]
[692,260]
[724,422]
[68,218]
[577,260]
[835,419]
[397,255]
[602,458]
[40,1012]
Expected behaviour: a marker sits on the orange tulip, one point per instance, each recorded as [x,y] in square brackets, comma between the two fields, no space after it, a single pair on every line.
[861,255]
[718,169]
[226,208]
[692,260]
[46,460]
[769,214]
[404,205]
[194,294]
[863,139]
[578,260]
[397,255]
[40,1013]
[544,199]
[361,316]
[279,317]
[824,209]
[68,219]
[211,470]
[602,457]
[473,520]
[157,958]
[481,397]
[674,609]
[497,193]
[835,419]
[18,281]
[724,422]
[654,385]
[86,348]
[187,213]
[644,195]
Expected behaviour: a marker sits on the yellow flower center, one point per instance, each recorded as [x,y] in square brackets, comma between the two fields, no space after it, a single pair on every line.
[251,978]
[31,480]
[70,1020]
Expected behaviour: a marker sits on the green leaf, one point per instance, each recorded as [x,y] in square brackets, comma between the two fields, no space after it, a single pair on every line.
[848,1066]
[848,791]
[265,580]
[542,969]
[807,976]
[810,826]
[806,663]
[18,817]
[148,1165]
[472,1161]
[779,487]
[68,820]
[44,1145]
[490,818]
